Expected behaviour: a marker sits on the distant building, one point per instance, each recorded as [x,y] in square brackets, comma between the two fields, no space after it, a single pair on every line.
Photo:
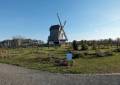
[20,43]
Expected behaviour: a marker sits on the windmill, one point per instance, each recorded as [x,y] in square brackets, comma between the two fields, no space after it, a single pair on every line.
[57,33]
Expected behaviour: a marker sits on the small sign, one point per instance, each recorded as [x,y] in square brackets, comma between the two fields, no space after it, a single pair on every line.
[69,56]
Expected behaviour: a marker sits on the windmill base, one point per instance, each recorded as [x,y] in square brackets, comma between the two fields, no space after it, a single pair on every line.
[56,43]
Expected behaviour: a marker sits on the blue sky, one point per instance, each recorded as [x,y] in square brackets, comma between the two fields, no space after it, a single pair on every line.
[86,19]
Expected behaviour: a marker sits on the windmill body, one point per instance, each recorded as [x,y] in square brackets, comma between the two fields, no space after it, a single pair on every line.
[56,35]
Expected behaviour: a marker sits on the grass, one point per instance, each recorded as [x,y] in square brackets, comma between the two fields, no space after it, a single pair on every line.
[38,58]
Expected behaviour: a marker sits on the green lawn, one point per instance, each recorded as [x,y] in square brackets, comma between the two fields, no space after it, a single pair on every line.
[38,58]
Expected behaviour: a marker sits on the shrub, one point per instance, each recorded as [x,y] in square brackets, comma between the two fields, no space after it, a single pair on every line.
[78,55]
[100,53]
[82,55]
[94,47]
[84,47]
[86,53]
[117,50]
[109,53]
[103,54]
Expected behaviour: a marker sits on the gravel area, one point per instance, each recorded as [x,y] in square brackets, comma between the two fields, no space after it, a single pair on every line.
[13,75]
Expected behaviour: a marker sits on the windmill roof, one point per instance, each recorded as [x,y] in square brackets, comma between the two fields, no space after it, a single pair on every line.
[54,27]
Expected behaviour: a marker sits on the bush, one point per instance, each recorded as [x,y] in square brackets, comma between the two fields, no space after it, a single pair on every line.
[117,50]
[82,55]
[94,47]
[109,53]
[100,53]
[84,47]
[78,55]
[103,54]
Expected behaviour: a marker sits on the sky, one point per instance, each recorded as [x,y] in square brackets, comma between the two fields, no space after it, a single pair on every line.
[86,19]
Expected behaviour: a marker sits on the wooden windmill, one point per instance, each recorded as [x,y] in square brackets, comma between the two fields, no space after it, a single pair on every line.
[57,33]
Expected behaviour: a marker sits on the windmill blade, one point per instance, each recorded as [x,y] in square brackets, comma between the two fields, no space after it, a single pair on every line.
[64,23]
[59,19]
[64,31]
[65,34]
[61,27]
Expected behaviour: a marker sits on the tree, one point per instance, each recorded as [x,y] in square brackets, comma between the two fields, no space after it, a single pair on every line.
[110,42]
[118,42]
[84,46]
[75,45]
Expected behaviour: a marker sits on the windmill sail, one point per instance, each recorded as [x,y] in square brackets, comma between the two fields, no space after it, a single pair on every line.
[65,35]
[62,28]
[59,19]
[64,31]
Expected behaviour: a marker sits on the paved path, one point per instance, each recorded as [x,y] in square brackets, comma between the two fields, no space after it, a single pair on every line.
[13,75]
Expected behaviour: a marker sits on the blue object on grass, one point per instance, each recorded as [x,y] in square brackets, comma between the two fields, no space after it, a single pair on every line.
[69,56]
